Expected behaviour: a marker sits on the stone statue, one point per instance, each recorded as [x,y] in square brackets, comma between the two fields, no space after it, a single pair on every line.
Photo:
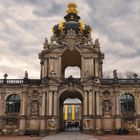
[45,43]
[115,74]
[135,75]
[53,40]
[97,44]
[26,75]
[107,106]
[34,108]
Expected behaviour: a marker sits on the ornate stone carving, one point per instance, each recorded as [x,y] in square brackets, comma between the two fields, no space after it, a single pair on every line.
[34,108]
[87,124]
[106,106]
[106,95]
[71,39]
[53,77]
[34,94]
[52,124]
[53,74]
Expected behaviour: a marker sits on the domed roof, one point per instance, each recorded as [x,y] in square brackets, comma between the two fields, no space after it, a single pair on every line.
[72,22]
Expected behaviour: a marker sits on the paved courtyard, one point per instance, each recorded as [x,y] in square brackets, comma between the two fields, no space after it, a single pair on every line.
[117,137]
[73,136]
[70,136]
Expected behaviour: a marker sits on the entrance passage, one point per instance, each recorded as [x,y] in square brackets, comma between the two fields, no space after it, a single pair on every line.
[72,114]
[70,111]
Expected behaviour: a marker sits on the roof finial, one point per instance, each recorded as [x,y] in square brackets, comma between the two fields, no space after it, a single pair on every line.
[72,8]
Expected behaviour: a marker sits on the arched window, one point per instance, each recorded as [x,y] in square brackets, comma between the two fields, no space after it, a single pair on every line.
[127,103]
[13,103]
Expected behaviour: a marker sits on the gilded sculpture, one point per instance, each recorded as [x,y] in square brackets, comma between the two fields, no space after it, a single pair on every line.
[72,8]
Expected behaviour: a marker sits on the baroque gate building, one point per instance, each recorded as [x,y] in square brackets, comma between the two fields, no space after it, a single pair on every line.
[30,106]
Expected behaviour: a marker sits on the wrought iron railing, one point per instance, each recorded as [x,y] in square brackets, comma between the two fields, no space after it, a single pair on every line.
[128,115]
[11,118]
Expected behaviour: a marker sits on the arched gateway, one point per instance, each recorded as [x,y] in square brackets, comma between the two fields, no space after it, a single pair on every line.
[41,106]
[71,45]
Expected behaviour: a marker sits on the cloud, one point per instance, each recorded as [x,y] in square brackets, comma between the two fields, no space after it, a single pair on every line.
[25,23]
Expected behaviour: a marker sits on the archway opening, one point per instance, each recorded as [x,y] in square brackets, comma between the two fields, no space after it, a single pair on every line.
[73,71]
[71,111]
[71,60]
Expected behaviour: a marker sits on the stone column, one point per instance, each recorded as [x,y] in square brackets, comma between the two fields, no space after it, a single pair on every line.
[83,68]
[85,103]
[97,103]
[41,66]
[60,67]
[90,102]
[43,104]
[42,120]
[138,103]
[1,105]
[100,68]
[117,104]
[55,104]
[45,67]
[94,103]
[118,119]
[93,67]
[50,103]
[23,106]
[98,119]
[96,68]
[22,114]
[42,70]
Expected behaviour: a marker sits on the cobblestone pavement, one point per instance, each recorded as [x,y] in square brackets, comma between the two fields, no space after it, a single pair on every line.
[70,136]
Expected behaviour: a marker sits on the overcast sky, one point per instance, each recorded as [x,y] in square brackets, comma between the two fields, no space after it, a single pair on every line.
[25,23]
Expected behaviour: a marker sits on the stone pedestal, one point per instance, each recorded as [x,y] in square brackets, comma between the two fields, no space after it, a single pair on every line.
[42,131]
[98,126]
[107,123]
[22,126]
[52,125]
[118,123]
[88,125]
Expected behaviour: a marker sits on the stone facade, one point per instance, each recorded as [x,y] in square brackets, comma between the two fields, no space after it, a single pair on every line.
[41,100]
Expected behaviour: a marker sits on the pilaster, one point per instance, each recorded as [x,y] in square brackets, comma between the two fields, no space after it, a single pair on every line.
[50,103]
[85,103]
[90,103]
